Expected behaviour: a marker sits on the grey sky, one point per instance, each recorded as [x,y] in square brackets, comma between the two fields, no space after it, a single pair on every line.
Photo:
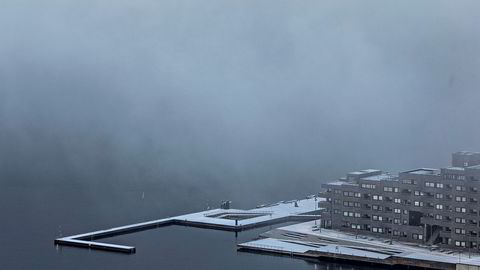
[235,94]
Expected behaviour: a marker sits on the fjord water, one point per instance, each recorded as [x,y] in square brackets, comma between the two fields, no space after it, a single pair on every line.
[42,213]
[117,112]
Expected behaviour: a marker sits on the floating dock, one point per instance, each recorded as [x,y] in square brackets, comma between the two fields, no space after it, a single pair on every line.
[305,240]
[217,219]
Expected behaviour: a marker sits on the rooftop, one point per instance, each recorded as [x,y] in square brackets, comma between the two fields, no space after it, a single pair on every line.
[380,177]
[456,168]
[423,171]
[365,171]
[467,153]
[341,183]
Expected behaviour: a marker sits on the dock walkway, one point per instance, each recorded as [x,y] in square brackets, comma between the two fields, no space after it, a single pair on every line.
[216,219]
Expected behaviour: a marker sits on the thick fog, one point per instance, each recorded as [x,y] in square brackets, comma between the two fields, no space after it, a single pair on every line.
[260,100]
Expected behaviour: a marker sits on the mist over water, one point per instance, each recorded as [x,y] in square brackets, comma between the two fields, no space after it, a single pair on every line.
[194,102]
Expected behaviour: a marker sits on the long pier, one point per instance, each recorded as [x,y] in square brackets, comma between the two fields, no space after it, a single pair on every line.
[301,210]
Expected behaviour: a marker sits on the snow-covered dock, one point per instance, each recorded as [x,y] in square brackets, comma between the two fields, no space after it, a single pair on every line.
[219,219]
[307,240]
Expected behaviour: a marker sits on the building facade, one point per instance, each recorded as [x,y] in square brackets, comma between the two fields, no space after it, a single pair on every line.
[427,206]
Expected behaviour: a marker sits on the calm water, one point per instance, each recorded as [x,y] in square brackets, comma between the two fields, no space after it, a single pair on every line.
[35,214]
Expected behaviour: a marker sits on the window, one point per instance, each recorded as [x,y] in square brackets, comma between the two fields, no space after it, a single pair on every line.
[460,220]
[460,188]
[351,214]
[439,196]
[439,206]
[417,203]
[429,184]
[396,221]
[397,210]
[409,181]
[391,189]
[377,230]
[438,217]
[377,218]
[460,199]
[356,226]
[351,204]
[417,236]
[369,186]
[459,231]
[377,197]
[351,194]
[418,193]
[397,200]
[460,209]
[460,243]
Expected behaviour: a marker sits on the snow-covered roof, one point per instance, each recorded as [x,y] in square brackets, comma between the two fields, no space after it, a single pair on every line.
[340,183]
[423,171]
[380,177]
[308,238]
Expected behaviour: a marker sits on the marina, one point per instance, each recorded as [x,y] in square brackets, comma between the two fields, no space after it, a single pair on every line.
[217,219]
[305,239]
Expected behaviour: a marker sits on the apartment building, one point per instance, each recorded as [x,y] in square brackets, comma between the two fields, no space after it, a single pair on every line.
[428,206]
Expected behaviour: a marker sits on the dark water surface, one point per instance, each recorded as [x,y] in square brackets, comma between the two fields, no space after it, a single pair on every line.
[194,102]
[42,213]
